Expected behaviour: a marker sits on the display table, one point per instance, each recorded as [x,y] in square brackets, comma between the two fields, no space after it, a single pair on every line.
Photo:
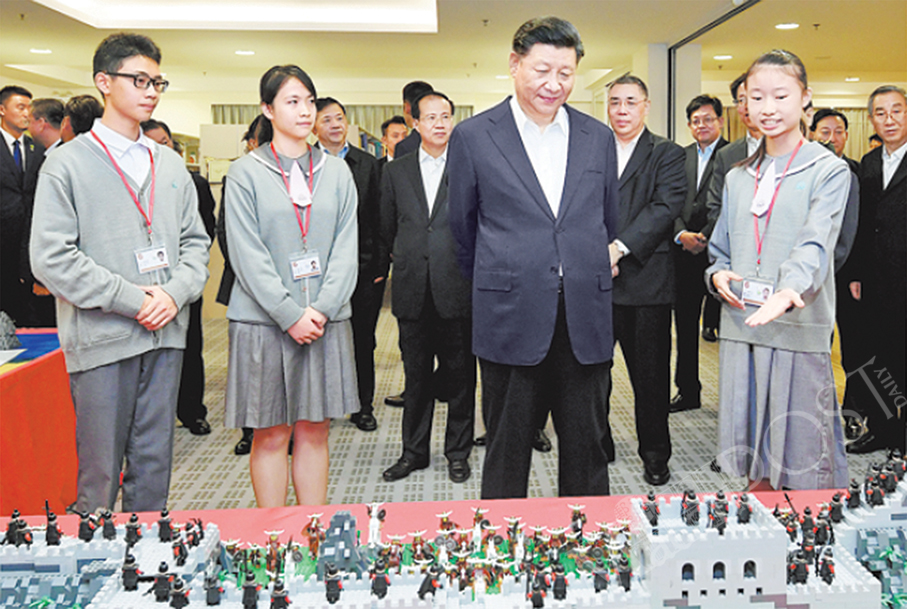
[37,428]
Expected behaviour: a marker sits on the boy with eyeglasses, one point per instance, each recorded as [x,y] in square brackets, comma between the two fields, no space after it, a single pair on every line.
[117,238]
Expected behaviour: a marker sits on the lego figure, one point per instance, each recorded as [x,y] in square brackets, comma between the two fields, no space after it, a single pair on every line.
[250,590]
[165,529]
[87,526]
[11,528]
[431,581]
[193,533]
[825,535]
[888,479]
[23,533]
[577,518]
[806,521]
[315,533]
[332,583]
[689,509]
[213,590]
[536,596]
[790,525]
[809,545]
[797,569]
[380,578]
[179,594]
[836,509]
[650,509]
[623,571]
[559,587]
[601,576]
[53,533]
[744,509]
[898,464]
[133,530]
[108,525]
[161,586]
[131,573]
[718,516]
[875,495]
[394,552]
[180,553]
[280,598]
[853,495]
[418,546]
[375,520]
[827,566]
[275,553]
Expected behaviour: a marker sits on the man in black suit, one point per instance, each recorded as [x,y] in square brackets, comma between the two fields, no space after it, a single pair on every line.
[411,92]
[830,126]
[705,120]
[430,297]
[880,272]
[27,302]
[653,187]
[331,128]
[45,121]
[393,130]
[533,203]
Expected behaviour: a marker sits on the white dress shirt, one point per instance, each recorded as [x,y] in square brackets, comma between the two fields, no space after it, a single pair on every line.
[131,156]
[625,152]
[890,163]
[704,156]
[752,143]
[9,138]
[547,151]
[432,170]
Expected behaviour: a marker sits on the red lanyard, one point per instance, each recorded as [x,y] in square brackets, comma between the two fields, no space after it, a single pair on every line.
[768,217]
[304,228]
[135,198]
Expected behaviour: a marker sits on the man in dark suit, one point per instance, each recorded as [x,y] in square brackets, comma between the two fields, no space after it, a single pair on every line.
[393,130]
[430,297]
[653,187]
[533,200]
[412,91]
[705,120]
[331,128]
[27,302]
[880,272]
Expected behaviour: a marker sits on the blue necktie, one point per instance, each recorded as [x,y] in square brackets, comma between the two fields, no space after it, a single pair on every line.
[17,155]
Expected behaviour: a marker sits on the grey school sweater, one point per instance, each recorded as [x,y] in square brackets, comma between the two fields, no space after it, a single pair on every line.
[798,248]
[85,232]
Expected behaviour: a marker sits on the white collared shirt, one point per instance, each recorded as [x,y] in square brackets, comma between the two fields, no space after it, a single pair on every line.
[432,170]
[131,156]
[625,152]
[9,138]
[751,144]
[547,151]
[890,163]
[704,156]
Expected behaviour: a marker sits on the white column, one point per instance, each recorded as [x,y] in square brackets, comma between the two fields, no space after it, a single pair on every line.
[688,80]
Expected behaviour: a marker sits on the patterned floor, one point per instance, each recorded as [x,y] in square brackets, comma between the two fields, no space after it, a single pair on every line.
[207,475]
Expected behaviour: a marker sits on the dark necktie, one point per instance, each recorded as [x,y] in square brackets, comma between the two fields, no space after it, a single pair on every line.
[17,155]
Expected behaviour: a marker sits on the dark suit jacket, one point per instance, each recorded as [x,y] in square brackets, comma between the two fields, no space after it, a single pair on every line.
[425,254]
[408,144]
[17,198]
[695,214]
[653,188]
[512,246]
[879,254]
[724,160]
[366,175]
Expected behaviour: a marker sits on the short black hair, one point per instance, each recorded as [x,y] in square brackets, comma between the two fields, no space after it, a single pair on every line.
[394,120]
[152,124]
[260,130]
[419,99]
[704,100]
[117,48]
[872,96]
[736,85]
[630,79]
[875,138]
[48,108]
[82,110]
[551,30]
[273,79]
[822,113]
[10,90]
[415,89]
[323,102]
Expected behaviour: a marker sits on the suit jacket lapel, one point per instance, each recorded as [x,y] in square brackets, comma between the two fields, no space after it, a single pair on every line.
[415,178]
[899,174]
[578,157]
[640,154]
[440,196]
[505,136]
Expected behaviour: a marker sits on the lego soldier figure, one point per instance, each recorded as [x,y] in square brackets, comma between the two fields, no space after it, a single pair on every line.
[898,464]
[180,553]
[131,573]
[161,586]
[689,509]
[193,539]
[853,495]
[875,495]
[744,509]
[213,590]
[825,535]
[332,583]
[718,513]
[888,479]
[23,533]
[827,567]
[133,530]
[600,576]
[380,578]
[165,529]
[809,545]
[11,527]
[431,581]
[53,533]
[559,588]
[108,525]
[250,592]
[179,594]
[280,598]
[807,522]
[536,596]
[651,510]
[623,569]
[86,527]
[577,519]
[836,509]
[797,568]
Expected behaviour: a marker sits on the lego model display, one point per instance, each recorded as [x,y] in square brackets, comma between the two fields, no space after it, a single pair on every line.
[694,549]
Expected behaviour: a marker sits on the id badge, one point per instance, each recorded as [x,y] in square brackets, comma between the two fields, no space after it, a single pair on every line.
[152,258]
[305,264]
[756,292]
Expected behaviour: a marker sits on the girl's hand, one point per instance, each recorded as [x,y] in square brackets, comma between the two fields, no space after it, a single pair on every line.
[309,328]
[776,306]
[722,282]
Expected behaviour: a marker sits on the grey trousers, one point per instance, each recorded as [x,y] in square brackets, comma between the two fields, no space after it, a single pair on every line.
[126,410]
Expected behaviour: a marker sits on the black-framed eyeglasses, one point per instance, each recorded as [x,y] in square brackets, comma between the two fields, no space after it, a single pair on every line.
[143,81]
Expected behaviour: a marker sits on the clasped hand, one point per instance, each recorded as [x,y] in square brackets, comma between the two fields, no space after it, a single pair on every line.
[309,328]
[158,308]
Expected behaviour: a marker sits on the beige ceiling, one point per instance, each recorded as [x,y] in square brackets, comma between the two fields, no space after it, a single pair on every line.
[863,38]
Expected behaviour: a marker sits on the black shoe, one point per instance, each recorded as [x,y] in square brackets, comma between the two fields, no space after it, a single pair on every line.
[394,400]
[541,442]
[199,427]
[401,469]
[656,476]
[458,470]
[365,421]
[481,440]
[866,443]
[680,403]
[244,446]
[710,335]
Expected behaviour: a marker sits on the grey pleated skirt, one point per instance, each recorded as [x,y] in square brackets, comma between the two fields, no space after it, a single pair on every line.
[272,380]
[778,417]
